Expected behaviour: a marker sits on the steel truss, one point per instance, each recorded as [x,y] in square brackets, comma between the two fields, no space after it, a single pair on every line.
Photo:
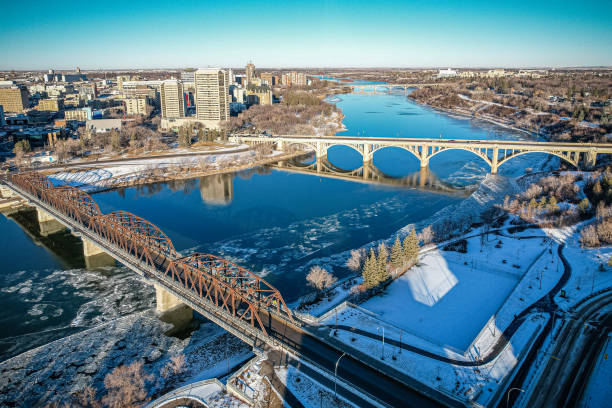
[237,291]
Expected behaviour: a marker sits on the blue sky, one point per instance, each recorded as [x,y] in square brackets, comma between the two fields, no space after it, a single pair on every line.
[333,33]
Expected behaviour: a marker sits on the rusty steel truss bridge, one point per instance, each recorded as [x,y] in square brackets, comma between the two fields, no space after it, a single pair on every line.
[492,152]
[232,297]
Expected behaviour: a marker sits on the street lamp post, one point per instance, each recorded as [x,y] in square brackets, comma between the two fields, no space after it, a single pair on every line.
[336,376]
[508,395]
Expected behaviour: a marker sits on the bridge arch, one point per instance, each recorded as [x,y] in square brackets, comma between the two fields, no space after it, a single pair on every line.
[74,202]
[298,143]
[558,154]
[138,231]
[228,286]
[415,154]
[483,156]
[352,146]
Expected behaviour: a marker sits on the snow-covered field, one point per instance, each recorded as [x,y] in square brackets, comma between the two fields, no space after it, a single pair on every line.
[449,297]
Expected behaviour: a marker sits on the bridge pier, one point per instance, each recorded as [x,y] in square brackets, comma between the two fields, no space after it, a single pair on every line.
[494,160]
[47,224]
[319,162]
[172,310]
[590,158]
[95,257]
[164,299]
[366,170]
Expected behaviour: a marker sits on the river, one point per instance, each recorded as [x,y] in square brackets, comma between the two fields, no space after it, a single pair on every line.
[275,222]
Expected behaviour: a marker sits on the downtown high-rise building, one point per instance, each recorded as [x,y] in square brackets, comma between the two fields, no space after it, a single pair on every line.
[13,97]
[212,94]
[250,73]
[172,99]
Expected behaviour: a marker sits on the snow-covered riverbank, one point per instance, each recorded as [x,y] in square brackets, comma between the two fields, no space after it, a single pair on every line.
[55,371]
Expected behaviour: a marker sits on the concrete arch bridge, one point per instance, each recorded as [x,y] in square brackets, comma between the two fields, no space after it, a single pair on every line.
[381,88]
[493,152]
[424,179]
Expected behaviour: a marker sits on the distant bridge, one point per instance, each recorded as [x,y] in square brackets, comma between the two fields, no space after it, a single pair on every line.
[493,152]
[381,88]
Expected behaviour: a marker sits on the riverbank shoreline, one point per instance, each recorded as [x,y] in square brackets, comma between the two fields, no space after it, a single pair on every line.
[143,172]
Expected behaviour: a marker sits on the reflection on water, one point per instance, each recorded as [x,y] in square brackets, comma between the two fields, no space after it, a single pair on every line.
[217,189]
[423,179]
[275,222]
[50,235]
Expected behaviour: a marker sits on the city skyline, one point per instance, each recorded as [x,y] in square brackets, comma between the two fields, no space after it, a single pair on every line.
[321,34]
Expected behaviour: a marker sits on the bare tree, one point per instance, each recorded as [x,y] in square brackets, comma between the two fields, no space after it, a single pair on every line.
[319,278]
[427,235]
[355,261]
[125,386]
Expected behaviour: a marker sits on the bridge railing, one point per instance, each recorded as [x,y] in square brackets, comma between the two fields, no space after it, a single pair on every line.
[237,291]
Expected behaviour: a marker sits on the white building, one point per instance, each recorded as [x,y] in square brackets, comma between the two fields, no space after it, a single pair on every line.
[172,99]
[103,125]
[447,73]
[212,95]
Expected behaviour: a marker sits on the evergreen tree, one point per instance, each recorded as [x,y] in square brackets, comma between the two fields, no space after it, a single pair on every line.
[542,203]
[597,190]
[552,204]
[369,270]
[397,255]
[382,259]
[411,248]
[584,206]
[115,140]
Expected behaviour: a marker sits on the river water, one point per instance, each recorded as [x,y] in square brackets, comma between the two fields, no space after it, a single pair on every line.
[274,222]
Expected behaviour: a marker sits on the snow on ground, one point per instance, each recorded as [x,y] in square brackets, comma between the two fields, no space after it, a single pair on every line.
[590,270]
[92,176]
[440,297]
[460,382]
[308,391]
[329,300]
[451,296]
[599,392]
[58,369]
[210,392]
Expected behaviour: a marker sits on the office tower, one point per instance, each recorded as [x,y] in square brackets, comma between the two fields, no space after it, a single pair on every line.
[136,106]
[267,78]
[187,75]
[250,73]
[13,97]
[172,99]
[212,94]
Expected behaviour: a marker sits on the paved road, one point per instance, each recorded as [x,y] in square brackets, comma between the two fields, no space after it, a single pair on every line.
[387,389]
